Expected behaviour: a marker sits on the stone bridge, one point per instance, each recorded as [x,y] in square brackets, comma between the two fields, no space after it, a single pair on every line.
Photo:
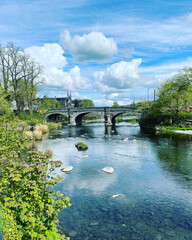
[75,115]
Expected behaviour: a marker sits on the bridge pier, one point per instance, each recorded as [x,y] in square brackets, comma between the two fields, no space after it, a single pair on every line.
[108,120]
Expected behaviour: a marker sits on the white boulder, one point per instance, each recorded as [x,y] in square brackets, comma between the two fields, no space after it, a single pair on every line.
[108,169]
[67,169]
[116,195]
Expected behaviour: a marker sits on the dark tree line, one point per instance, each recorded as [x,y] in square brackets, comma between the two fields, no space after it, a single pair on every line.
[19,76]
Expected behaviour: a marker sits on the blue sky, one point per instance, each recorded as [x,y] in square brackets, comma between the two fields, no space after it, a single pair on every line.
[103,50]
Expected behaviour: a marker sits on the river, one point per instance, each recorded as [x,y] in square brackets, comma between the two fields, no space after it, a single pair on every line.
[149,195]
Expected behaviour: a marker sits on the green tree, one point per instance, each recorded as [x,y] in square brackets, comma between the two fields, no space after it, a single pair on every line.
[115,104]
[86,103]
[47,103]
[175,94]
[19,76]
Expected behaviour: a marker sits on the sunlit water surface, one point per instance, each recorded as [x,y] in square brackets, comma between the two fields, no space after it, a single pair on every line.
[152,175]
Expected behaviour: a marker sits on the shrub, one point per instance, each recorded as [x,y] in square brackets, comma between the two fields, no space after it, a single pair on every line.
[25,189]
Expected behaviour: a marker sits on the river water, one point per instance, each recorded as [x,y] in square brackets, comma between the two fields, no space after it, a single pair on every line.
[149,195]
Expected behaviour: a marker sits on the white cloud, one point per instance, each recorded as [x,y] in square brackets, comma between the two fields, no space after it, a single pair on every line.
[53,61]
[50,55]
[121,75]
[89,47]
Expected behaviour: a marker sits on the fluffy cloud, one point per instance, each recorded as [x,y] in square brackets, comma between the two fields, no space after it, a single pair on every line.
[89,47]
[121,75]
[50,55]
[53,61]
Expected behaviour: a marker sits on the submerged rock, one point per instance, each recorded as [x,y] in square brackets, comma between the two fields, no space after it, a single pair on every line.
[72,234]
[81,146]
[116,195]
[67,169]
[108,169]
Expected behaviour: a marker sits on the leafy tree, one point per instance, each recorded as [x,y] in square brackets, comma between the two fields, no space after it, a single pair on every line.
[32,71]
[47,103]
[86,103]
[175,94]
[19,76]
[115,104]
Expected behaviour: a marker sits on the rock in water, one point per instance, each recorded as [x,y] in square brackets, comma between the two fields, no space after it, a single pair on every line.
[108,170]
[116,195]
[67,169]
[81,146]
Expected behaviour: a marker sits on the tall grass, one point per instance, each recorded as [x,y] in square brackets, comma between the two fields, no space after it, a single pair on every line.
[29,134]
[42,127]
[37,134]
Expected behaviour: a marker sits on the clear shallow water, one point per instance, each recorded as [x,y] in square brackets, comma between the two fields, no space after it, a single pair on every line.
[153,176]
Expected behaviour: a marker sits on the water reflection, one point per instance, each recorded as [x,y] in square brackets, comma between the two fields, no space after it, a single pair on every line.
[150,174]
[110,130]
[175,156]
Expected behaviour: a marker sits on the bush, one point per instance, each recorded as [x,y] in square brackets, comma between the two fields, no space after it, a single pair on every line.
[26,192]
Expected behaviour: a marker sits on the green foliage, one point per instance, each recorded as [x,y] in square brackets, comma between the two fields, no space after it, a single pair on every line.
[47,103]
[53,125]
[5,106]
[86,103]
[174,96]
[115,104]
[2,218]
[81,146]
[25,191]
[11,138]
[36,118]
[133,104]
[8,225]
[30,204]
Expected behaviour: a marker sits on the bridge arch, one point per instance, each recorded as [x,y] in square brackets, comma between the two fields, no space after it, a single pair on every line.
[113,117]
[54,116]
[77,118]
